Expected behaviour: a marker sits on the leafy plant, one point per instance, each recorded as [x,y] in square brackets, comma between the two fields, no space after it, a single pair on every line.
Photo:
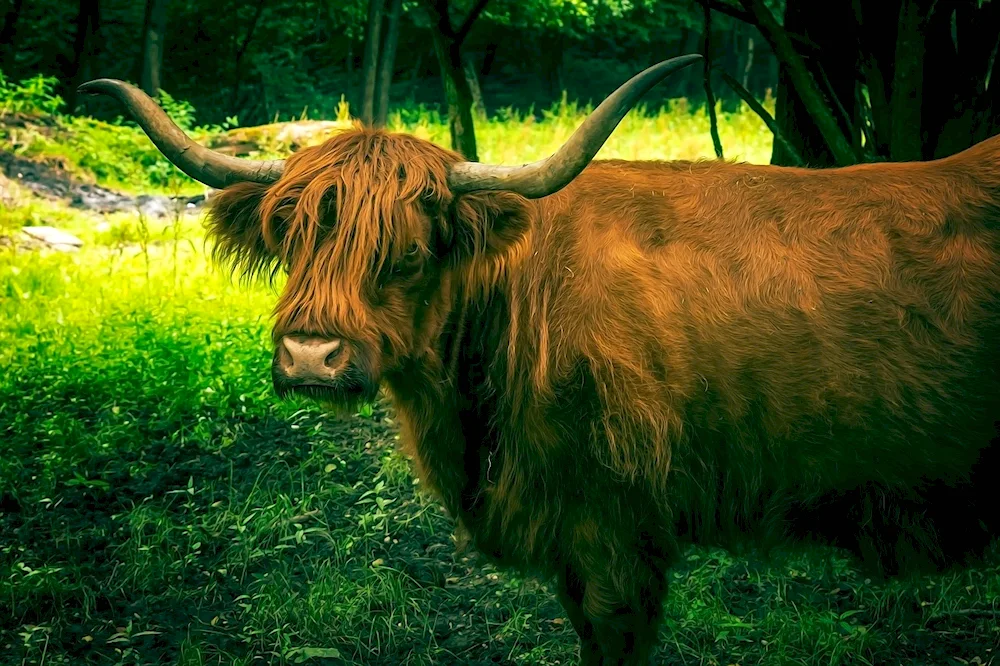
[180,111]
[35,95]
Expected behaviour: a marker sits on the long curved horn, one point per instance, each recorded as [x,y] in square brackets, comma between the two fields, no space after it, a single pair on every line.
[203,164]
[547,176]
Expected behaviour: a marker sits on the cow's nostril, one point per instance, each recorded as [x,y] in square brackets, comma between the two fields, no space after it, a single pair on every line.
[309,358]
[333,353]
[285,360]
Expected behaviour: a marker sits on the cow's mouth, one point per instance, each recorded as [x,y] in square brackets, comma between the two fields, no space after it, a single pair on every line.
[323,392]
[349,391]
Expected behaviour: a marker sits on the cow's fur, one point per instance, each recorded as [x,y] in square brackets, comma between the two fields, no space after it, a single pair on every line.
[660,352]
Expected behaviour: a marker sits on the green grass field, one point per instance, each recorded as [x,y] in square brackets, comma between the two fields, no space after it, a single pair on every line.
[158,505]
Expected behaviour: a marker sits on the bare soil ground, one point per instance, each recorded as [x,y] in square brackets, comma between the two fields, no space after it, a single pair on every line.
[52,181]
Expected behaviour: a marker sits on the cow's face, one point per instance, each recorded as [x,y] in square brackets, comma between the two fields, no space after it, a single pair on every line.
[372,243]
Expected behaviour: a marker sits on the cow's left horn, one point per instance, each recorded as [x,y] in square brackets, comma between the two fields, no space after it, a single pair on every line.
[203,164]
[545,177]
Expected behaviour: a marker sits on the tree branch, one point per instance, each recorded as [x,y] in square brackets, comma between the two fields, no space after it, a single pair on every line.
[747,17]
[373,47]
[905,140]
[10,23]
[805,85]
[713,121]
[768,119]
[463,30]
[734,12]
[846,117]
[241,51]
[438,9]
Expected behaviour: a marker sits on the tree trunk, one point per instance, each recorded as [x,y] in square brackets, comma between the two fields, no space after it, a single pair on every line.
[958,113]
[418,68]
[805,111]
[489,58]
[350,73]
[458,95]
[877,25]
[369,75]
[387,63]
[748,63]
[773,72]
[241,51]
[84,46]
[733,60]
[989,110]
[878,96]
[7,33]
[688,80]
[152,46]
[706,49]
[472,76]
[908,84]
[551,60]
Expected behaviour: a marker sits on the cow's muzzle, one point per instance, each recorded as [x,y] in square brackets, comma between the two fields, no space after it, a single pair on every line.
[320,368]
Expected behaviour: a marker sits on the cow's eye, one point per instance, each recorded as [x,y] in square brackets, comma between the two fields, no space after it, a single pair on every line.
[408,264]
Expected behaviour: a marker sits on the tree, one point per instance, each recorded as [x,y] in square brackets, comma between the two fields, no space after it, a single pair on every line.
[152,45]
[860,94]
[960,86]
[706,49]
[378,67]
[240,57]
[802,78]
[9,29]
[369,68]
[263,58]
[88,21]
[448,42]
[387,63]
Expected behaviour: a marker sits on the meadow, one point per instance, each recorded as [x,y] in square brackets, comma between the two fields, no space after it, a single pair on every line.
[158,505]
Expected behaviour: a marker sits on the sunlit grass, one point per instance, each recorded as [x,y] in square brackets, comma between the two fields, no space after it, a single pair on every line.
[673,133]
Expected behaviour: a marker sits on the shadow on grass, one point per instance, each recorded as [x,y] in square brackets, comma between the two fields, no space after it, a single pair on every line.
[193,536]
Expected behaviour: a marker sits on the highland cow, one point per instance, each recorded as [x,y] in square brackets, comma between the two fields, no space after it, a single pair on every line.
[596,362]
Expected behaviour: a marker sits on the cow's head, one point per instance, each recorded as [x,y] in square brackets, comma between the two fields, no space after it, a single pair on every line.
[370,228]
[369,235]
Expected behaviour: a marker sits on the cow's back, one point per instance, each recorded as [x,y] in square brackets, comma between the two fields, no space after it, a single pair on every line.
[759,337]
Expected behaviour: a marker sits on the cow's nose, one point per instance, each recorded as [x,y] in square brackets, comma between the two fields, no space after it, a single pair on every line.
[302,357]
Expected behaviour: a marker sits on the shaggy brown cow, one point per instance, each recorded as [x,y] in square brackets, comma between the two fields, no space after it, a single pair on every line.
[595,363]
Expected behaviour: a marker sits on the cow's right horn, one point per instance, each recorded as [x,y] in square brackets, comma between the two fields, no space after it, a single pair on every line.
[203,164]
[545,177]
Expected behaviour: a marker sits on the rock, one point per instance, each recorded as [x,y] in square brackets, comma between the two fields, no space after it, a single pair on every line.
[288,136]
[57,239]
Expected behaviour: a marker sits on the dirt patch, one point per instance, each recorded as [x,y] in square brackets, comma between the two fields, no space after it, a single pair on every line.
[51,180]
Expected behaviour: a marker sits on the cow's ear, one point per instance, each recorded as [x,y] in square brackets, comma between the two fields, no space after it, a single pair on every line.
[235,227]
[488,223]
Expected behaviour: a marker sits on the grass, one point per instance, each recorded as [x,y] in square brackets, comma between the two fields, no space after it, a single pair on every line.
[159,506]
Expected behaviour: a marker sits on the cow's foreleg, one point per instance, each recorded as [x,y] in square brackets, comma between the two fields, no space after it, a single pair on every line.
[570,592]
[621,604]
[626,630]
